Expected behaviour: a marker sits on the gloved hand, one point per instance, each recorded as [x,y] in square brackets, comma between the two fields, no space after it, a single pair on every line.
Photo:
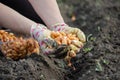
[42,35]
[70,30]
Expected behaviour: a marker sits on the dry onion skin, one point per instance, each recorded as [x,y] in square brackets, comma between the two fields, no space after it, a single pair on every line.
[16,47]
[69,39]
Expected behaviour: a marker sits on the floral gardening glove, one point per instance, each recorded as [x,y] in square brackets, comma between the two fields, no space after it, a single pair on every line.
[42,35]
[70,30]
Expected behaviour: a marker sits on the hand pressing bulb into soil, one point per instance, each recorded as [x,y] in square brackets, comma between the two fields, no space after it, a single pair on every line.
[74,38]
[61,34]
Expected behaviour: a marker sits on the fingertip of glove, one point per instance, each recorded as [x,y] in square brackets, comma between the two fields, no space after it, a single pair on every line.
[82,37]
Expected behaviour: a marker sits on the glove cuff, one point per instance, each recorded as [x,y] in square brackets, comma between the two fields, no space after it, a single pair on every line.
[36,30]
[58,26]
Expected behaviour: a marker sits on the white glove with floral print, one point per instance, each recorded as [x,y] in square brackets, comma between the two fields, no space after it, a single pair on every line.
[42,35]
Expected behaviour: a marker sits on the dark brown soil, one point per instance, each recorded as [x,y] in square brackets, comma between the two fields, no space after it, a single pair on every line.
[98,60]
